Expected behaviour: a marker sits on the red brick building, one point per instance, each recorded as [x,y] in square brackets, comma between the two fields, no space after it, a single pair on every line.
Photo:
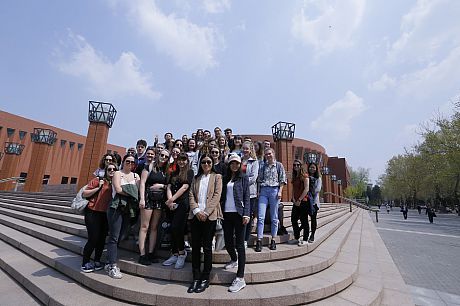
[65,159]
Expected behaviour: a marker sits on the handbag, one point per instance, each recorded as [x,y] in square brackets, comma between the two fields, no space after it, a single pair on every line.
[219,224]
[79,203]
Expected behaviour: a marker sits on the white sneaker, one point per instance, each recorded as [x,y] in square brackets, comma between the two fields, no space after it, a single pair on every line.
[114,272]
[232,264]
[180,262]
[170,261]
[301,242]
[245,244]
[237,285]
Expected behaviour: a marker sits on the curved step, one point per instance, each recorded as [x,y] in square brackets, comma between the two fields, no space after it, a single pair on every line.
[154,292]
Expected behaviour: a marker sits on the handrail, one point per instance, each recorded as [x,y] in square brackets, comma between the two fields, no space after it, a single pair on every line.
[14,178]
[350,201]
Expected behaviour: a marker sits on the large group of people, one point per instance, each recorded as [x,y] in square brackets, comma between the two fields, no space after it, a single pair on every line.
[197,184]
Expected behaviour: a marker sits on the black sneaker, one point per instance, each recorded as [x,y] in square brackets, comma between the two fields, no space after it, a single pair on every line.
[144,260]
[258,246]
[311,239]
[273,245]
[98,266]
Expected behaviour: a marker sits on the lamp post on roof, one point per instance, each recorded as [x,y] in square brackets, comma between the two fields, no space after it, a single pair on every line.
[283,135]
[12,152]
[42,141]
[101,116]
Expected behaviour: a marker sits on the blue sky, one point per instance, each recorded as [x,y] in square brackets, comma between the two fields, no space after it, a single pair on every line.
[356,76]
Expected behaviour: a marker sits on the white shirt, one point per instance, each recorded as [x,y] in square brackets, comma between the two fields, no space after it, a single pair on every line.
[230,200]
[202,194]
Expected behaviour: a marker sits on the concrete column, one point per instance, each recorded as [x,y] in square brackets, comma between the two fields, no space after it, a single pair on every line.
[10,164]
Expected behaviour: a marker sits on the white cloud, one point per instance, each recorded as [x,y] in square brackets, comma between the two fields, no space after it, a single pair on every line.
[426,30]
[216,6]
[383,83]
[443,75]
[336,119]
[192,47]
[332,28]
[106,79]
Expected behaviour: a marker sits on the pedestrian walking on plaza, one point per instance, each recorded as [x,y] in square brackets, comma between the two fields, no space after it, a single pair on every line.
[152,190]
[314,177]
[388,208]
[204,197]
[235,205]
[300,186]
[99,195]
[271,180]
[419,208]
[430,212]
[177,208]
[125,194]
[404,211]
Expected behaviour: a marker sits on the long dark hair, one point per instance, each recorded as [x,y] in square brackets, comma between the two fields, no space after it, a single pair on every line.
[316,174]
[106,174]
[200,168]
[301,173]
[228,175]
[102,161]
[181,174]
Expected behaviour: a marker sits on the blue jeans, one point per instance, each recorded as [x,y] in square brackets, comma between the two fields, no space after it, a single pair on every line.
[118,223]
[268,196]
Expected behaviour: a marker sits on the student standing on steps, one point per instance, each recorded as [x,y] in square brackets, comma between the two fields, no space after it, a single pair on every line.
[235,204]
[300,186]
[315,183]
[204,197]
[250,167]
[99,194]
[272,179]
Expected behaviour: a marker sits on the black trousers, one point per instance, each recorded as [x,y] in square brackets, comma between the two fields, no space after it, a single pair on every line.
[254,202]
[313,222]
[96,225]
[234,230]
[178,224]
[300,212]
[202,234]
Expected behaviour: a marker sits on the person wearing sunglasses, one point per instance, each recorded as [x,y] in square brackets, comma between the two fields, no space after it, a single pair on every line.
[236,208]
[219,166]
[177,209]
[99,195]
[315,185]
[204,197]
[105,160]
[125,193]
[300,186]
[152,196]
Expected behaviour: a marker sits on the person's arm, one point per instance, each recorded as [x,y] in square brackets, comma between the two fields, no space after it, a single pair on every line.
[92,188]
[254,173]
[246,200]
[192,197]
[212,203]
[282,180]
[116,181]
[144,176]
[177,195]
[306,187]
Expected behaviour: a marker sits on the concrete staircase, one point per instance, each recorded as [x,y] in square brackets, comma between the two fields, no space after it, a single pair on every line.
[41,242]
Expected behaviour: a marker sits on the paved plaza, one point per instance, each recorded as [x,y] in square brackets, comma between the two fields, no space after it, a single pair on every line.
[427,255]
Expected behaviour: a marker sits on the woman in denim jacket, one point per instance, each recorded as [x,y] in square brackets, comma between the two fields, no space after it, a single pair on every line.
[250,167]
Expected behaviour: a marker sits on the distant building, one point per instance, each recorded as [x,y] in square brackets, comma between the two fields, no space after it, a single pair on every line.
[63,165]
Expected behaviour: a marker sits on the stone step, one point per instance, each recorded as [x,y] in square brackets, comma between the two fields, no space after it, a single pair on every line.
[65,203]
[42,195]
[139,290]
[12,292]
[47,206]
[70,217]
[75,232]
[317,258]
[46,284]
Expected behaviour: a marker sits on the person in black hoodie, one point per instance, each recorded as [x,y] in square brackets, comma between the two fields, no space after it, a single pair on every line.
[235,205]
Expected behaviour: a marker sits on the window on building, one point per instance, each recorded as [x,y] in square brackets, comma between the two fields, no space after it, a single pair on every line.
[10,132]
[80,145]
[23,177]
[109,151]
[22,134]
[298,153]
[73,180]
[65,180]
[71,144]
[63,142]
[46,179]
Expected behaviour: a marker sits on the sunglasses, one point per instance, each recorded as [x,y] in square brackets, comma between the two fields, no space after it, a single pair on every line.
[175,153]
[132,162]
[214,152]
[108,159]
[297,165]
[164,155]
[111,169]
[178,145]
[206,162]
